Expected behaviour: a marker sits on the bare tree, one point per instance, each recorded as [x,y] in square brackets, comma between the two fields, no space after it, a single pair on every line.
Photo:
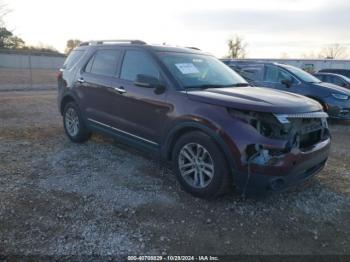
[284,55]
[8,40]
[311,55]
[4,10]
[71,44]
[237,47]
[333,51]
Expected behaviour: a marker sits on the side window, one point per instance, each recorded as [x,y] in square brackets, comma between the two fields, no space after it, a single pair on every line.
[338,81]
[326,78]
[271,74]
[283,75]
[104,62]
[321,77]
[137,62]
[252,73]
[89,65]
[72,59]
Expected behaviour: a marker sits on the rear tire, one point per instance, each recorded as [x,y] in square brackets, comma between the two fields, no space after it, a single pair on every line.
[74,125]
[200,166]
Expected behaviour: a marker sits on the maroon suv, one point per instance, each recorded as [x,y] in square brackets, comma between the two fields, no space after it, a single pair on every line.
[189,108]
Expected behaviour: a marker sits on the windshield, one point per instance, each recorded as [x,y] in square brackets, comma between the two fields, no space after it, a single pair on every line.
[303,75]
[200,71]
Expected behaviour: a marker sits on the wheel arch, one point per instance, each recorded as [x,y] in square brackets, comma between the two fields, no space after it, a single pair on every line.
[65,100]
[187,127]
[323,104]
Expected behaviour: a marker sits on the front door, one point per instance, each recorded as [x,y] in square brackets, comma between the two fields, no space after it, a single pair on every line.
[277,78]
[141,111]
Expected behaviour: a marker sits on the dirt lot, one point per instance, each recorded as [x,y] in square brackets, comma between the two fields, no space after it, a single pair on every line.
[24,79]
[60,198]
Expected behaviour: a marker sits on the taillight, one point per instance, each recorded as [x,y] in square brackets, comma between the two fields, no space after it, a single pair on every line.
[59,75]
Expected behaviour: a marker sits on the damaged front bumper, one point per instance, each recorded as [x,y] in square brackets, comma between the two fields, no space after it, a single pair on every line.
[283,150]
[282,172]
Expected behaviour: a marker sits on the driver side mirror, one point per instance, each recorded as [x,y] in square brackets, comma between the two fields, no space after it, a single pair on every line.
[146,81]
[149,82]
[287,82]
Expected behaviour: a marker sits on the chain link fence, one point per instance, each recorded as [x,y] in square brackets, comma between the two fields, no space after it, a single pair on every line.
[27,70]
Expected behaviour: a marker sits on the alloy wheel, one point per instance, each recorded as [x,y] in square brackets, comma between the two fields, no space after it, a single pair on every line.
[196,165]
[72,122]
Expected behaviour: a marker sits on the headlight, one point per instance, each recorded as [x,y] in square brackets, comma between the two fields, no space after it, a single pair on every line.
[340,96]
[265,123]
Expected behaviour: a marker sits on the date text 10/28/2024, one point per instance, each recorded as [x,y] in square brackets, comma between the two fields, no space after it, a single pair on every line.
[173,258]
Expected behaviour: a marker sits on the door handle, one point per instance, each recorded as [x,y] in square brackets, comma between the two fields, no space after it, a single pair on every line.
[81,80]
[120,89]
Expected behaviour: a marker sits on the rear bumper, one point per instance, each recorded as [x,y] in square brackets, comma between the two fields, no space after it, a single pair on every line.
[292,169]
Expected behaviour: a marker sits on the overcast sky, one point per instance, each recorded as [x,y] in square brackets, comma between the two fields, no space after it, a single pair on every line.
[271,28]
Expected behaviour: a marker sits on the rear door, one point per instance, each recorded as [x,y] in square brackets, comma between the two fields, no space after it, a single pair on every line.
[94,84]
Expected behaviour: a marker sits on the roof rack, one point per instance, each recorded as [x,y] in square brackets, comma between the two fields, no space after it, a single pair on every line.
[101,42]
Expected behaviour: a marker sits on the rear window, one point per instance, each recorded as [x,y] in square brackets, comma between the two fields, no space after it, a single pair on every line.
[104,62]
[73,58]
[252,73]
[338,81]
[344,72]
[271,74]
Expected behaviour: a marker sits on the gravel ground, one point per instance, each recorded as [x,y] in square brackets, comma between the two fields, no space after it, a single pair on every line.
[60,198]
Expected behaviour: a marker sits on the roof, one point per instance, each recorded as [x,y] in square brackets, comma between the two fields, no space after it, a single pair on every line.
[289,59]
[140,44]
[332,74]
[166,48]
[252,62]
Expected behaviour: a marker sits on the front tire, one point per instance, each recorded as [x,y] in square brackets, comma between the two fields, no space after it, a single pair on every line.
[200,165]
[74,125]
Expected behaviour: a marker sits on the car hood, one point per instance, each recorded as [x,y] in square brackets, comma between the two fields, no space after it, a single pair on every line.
[255,99]
[333,88]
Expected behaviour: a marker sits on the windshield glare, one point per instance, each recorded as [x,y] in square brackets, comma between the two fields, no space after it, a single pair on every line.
[200,71]
[303,75]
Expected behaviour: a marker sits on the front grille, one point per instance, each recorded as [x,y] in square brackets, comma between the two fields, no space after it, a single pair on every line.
[285,118]
[308,131]
[303,133]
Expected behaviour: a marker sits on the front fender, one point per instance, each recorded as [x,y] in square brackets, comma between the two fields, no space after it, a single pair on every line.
[191,123]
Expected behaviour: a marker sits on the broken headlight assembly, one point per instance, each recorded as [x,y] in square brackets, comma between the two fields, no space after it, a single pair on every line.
[265,123]
[282,126]
[298,130]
